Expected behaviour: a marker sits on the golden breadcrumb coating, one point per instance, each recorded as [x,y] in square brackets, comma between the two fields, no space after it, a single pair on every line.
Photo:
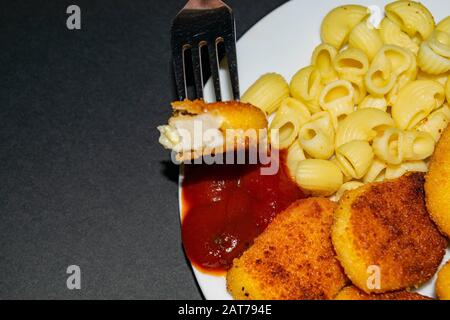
[443,282]
[218,117]
[353,293]
[386,225]
[236,115]
[292,259]
[437,185]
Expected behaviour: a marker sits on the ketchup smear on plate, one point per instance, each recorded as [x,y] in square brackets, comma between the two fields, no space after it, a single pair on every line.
[225,207]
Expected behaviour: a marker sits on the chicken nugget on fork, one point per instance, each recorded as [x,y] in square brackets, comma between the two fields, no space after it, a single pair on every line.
[199,129]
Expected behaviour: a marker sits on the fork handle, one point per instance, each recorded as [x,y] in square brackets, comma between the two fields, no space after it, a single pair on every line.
[204,4]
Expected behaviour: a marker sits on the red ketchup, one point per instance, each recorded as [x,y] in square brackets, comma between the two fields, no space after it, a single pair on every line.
[225,207]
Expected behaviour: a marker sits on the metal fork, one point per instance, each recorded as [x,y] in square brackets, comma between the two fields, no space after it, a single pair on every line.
[204,23]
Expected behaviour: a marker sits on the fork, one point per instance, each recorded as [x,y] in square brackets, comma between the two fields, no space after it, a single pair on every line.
[204,23]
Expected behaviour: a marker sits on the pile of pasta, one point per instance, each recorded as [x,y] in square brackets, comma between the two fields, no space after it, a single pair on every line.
[372,104]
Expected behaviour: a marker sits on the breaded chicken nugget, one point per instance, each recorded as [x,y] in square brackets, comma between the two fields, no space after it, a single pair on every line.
[382,231]
[292,259]
[437,185]
[443,282]
[197,128]
[353,293]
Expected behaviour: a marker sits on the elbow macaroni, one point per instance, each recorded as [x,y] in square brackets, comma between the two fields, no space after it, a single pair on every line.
[317,136]
[295,154]
[391,34]
[355,158]
[434,54]
[389,63]
[362,125]
[416,101]
[444,25]
[338,99]
[436,123]
[395,146]
[376,171]
[306,86]
[371,106]
[373,102]
[318,177]
[339,22]
[412,17]
[358,85]
[402,80]
[389,146]
[417,145]
[351,61]
[289,117]
[441,78]
[322,58]
[440,43]
[366,38]
[267,92]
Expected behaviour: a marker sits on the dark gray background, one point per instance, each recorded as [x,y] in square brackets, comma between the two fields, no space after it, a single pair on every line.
[83,180]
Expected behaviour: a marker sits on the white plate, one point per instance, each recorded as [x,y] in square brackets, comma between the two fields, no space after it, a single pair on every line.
[282,42]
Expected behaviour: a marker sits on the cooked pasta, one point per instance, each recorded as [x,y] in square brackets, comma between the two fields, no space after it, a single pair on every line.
[316,137]
[432,54]
[373,102]
[318,177]
[339,22]
[444,25]
[371,106]
[358,85]
[391,34]
[338,98]
[441,78]
[389,63]
[366,38]
[439,42]
[289,117]
[416,101]
[351,185]
[417,145]
[394,172]
[436,122]
[430,62]
[355,158]
[412,17]
[362,124]
[322,58]
[351,61]
[376,171]
[306,86]
[267,92]
[403,79]
[389,146]
[295,154]
[346,177]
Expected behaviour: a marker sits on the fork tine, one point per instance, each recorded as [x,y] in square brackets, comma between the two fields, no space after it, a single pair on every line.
[180,75]
[230,51]
[214,65]
[197,65]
